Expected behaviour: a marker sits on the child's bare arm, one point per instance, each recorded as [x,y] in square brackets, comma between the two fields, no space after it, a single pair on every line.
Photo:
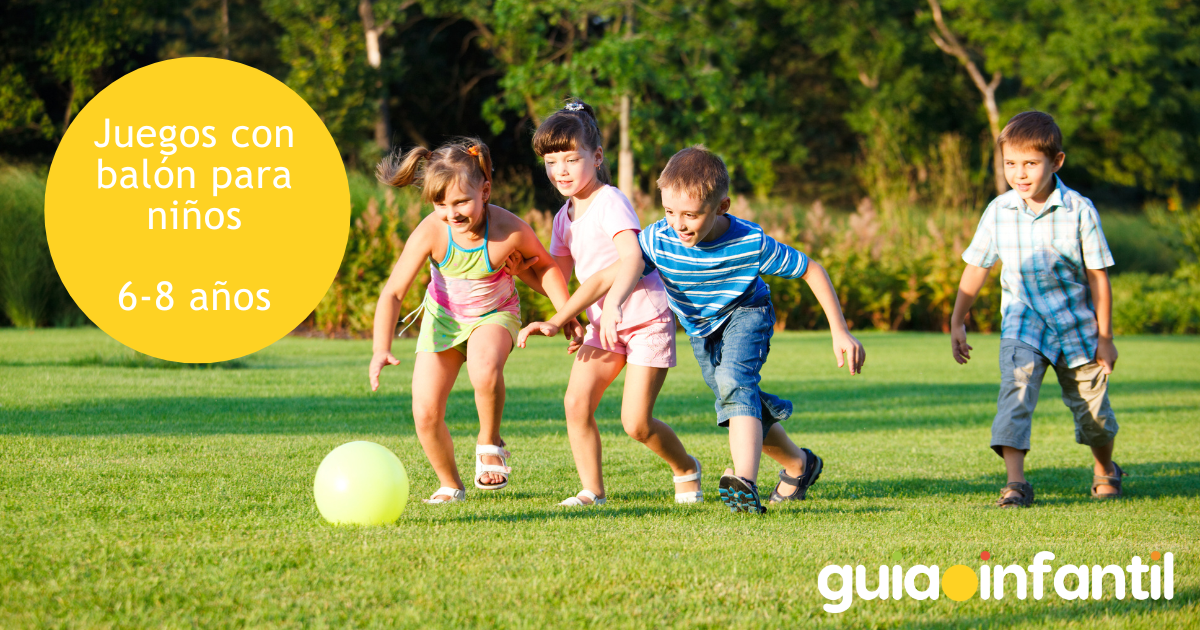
[387,309]
[973,279]
[584,296]
[629,272]
[1106,350]
[846,348]
[587,294]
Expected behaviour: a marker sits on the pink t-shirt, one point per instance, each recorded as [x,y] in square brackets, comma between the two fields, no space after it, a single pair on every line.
[589,240]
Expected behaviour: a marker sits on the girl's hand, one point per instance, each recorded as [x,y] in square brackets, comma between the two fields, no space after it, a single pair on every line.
[609,320]
[855,356]
[516,264]
[378,361]
[574,332]
[536,328]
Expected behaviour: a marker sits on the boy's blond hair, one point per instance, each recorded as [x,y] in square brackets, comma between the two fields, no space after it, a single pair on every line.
[697,173]
[1033,130]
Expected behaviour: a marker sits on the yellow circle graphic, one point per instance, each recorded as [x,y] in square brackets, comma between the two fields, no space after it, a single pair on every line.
[959,582]
[197,210]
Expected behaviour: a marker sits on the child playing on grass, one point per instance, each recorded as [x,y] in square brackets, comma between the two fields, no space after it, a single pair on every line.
[711,263]
[471,312]
[1056,308]
[595,228]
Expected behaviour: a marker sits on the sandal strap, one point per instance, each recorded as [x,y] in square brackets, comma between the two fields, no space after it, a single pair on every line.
[455,494]
[1113,480]
[491,449]
[575,501]
[492,468]
[692,477]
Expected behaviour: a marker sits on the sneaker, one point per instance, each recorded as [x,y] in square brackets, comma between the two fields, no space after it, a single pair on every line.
[740,495]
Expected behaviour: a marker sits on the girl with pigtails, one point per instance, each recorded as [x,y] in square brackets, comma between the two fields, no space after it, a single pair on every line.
[471,312]
[595,228]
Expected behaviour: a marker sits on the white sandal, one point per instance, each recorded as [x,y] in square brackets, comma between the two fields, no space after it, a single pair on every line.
[457,495]
[576,502]
[689,497]
[481,468]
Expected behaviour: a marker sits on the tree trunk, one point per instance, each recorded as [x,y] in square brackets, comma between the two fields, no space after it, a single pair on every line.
[225,29]
[946,40]
[371,31]
[625,180]
[625,176]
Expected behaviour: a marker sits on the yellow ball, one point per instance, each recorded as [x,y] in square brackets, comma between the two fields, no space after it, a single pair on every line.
[361,483]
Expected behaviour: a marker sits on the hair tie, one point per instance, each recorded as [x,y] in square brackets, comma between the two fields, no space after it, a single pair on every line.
[573,107]
[473,151]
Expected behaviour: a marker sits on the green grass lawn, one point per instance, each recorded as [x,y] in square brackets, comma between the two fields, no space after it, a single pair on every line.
[136,494]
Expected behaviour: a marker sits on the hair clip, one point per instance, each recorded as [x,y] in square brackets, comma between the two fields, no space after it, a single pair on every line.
[474,150]
[573,107]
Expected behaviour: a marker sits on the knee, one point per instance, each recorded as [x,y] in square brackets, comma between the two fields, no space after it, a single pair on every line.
[638,429]
[425,416]
[577,406]
[488,379]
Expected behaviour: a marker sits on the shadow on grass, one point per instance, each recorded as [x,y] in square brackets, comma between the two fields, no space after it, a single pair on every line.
[529,411]
[611,511]
[1057,612]
[1052,486]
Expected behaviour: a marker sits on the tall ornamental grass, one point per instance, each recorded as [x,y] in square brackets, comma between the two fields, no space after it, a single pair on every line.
[30,290]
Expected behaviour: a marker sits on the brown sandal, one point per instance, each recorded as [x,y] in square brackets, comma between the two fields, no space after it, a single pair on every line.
[1104,480]
[1012,500]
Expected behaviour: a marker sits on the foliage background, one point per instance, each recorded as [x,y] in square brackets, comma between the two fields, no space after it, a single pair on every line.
[848,131]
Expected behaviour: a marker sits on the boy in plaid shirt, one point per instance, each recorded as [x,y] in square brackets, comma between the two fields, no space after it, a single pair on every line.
[1056,307]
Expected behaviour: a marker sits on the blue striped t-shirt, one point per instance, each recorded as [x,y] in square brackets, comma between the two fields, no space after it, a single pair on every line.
[706,282]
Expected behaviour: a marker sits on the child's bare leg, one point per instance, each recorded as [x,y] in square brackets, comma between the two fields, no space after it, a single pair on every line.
[642,385]
[487,352]
[745,445]
[1104,466]
[779,447]
[1014,465]
[433,376]
[593,371]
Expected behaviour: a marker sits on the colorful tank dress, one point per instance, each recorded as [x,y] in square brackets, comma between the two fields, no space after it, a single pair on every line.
[465,293]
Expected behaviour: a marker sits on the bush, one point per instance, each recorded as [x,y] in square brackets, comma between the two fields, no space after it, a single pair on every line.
[895,271]
[1144,303]
[30,289]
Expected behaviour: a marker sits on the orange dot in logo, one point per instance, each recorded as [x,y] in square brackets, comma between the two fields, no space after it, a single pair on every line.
[987,555]
[1154,555]
[959,582]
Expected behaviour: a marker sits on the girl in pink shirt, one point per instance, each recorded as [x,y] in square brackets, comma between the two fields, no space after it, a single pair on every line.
[594,229]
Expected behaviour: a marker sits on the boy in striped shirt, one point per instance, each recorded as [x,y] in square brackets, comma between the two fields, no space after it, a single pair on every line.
[710,263]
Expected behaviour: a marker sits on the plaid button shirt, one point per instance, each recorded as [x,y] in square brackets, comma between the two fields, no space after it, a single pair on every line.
[1046,300]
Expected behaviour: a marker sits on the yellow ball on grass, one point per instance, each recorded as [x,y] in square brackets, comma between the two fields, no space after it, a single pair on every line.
[361,483]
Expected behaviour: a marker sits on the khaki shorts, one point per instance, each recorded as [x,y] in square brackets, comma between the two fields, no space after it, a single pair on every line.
[1085,392]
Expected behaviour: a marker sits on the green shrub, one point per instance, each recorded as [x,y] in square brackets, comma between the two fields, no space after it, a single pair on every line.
[30,289]
[1144,303]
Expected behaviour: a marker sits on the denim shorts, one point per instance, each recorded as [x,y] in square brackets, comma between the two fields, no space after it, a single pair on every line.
[731,358]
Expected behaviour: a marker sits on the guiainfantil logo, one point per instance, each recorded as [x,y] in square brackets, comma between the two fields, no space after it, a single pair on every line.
[961,582]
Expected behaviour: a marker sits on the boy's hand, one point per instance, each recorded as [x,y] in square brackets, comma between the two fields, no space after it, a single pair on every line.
[610,318]
[573,331]
[378,361]
[958,344]
[855,356]
[536,328]
[1106,355]
[516,264]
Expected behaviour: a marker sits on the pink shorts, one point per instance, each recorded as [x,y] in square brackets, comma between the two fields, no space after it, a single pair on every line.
[651,344]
